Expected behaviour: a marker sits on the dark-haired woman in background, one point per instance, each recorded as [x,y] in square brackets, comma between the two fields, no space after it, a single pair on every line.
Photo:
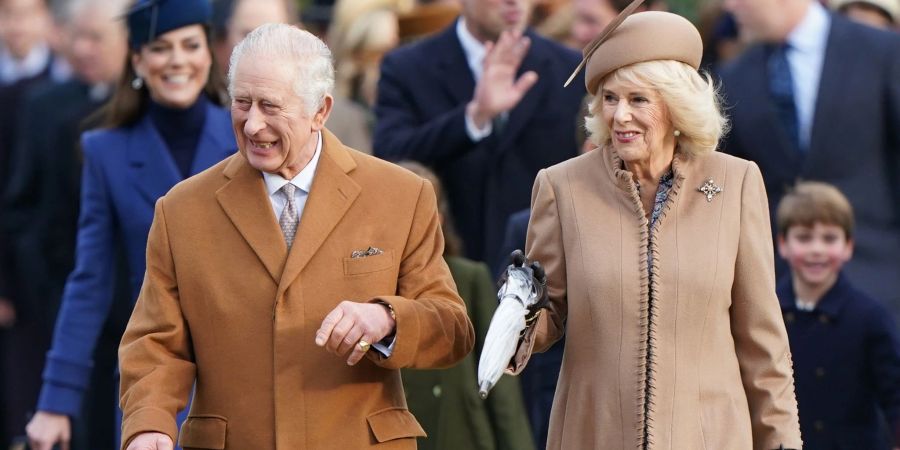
[164,124]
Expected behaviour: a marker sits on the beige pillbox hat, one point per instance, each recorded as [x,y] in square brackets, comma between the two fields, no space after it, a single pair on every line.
[641,37]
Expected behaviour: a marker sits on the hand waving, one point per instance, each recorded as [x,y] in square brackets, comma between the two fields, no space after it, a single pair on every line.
[498,90]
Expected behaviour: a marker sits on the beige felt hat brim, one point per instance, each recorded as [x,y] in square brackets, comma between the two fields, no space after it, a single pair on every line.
[645,36]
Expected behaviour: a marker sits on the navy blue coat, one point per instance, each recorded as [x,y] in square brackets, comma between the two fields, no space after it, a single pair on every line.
[846,368]
[125,171]
[855,142]
[422,96]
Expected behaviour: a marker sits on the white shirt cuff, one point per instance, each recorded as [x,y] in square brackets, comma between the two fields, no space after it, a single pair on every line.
[384,347]
[476,134]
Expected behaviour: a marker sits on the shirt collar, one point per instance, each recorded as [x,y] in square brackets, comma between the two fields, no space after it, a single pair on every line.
[302,180]
[33,64]
[99,92]
[472,47]
[811,34]
[830,304]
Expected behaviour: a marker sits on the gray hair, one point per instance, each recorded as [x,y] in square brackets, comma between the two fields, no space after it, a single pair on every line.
[64,11]
[309,56]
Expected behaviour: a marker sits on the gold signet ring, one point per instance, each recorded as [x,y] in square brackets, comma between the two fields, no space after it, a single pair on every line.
[363,345]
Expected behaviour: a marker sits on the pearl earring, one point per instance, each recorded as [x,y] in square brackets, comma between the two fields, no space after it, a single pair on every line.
[677,133]
[137,83]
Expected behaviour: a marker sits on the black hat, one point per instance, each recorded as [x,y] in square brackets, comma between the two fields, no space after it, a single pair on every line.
[151,18]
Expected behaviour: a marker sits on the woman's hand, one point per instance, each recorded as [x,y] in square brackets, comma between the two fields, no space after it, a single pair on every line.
[538,279]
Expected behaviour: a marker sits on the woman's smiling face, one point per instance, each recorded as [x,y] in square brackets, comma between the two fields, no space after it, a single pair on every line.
[175,67]
[637,117]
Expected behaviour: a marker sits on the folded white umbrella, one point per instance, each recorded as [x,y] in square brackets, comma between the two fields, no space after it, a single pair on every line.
[516,296]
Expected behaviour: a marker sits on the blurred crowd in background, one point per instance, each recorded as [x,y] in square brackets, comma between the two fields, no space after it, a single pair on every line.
[61,60]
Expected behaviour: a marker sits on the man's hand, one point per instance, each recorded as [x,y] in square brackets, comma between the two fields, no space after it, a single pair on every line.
[498,90]
[151,441]
[46,429]
[351,322]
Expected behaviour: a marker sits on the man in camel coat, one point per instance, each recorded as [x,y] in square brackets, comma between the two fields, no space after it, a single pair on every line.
[270,276]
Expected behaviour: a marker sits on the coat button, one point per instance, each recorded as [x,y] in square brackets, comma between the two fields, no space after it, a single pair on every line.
[819,426]
[820,372]
[824,319]
[436,390]
[789,317]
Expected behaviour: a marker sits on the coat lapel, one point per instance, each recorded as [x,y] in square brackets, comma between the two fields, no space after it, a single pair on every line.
[246,203]
[778,138]
[453,68]
[836,74]
[217,141]
[153,169]
[520,115]
[331,195]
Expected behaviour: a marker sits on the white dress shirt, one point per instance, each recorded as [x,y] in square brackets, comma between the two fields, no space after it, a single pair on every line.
[475,52]
[303,182]
[12,70]
[806,55]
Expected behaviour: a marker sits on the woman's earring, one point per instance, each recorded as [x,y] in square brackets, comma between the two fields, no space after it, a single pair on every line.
[677,133]
[137,83]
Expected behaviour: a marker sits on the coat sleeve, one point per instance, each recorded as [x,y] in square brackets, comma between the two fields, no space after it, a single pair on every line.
[545,245]
[883,357]
[402,131]
[155,356]
[87,297]
[760,338]
[433,329]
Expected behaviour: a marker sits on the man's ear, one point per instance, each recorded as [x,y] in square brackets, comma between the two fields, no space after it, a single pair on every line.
[322,114]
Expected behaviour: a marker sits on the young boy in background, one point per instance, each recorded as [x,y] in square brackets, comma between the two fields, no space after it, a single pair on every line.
[844,344]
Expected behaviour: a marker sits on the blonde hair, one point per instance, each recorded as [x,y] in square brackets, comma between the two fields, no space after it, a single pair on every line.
[812,202]
[692,100]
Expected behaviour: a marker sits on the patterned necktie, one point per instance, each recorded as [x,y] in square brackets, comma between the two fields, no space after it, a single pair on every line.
[289,217]
[781,86]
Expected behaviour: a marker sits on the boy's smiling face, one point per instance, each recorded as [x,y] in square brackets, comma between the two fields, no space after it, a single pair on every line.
[815,253]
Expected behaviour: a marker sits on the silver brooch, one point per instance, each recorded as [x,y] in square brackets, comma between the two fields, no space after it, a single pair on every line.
[710,189]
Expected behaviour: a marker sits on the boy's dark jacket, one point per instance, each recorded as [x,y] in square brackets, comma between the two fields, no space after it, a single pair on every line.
[846,368]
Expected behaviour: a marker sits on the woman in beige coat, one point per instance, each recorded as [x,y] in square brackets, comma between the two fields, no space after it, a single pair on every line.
[659,261]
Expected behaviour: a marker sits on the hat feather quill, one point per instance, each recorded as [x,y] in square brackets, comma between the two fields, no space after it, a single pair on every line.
[602,37]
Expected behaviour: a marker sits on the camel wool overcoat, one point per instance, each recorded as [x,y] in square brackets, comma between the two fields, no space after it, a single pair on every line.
[694,356]
[227,306]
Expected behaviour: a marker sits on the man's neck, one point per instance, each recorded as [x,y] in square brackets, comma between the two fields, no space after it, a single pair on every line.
[312,145]
[479,34]
[794,14]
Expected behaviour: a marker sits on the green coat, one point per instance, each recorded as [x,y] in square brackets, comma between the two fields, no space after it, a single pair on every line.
[446,402]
